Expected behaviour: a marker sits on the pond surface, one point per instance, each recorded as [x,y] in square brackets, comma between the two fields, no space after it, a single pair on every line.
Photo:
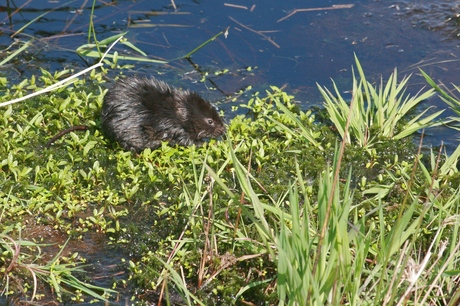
[262,48]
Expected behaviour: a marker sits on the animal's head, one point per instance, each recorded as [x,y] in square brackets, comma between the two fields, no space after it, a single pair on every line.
[202,117]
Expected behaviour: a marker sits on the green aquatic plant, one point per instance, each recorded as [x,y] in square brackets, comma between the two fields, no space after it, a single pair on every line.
[447,96]
[443,165]
[21,259]
[94,49]
[302,121]
[376,112]
[450,99]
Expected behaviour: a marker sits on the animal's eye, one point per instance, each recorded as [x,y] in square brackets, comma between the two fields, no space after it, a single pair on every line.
[210,121]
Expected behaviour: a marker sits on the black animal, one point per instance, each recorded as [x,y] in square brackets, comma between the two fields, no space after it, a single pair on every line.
[140,113]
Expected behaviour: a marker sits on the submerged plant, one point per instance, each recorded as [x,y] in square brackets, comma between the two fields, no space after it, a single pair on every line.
[376,112]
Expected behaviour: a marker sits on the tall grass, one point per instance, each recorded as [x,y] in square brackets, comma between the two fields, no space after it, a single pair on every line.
[361,258]
[377,112]
[21,256]
[448,96]
[303,277]
[361,261]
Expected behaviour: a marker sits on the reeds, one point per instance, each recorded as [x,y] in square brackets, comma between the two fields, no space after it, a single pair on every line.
[377,112]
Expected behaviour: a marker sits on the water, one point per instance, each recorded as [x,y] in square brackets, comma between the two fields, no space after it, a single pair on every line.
[304,49]
[295,53]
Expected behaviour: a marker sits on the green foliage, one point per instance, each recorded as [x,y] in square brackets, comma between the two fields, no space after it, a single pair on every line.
[451,100]
[306,277]
[265,215]
[444,172]
[95,49]
[374,113]
[58,272]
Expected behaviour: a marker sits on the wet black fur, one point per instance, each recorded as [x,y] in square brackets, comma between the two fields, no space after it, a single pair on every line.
[139,113]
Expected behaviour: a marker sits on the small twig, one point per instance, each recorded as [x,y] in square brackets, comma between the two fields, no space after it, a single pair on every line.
[254,31]
[333,7]
[34,276]
[226,264]
[207,243]
[62,133]
[18,9]
[40,16]
[236,6]
[17,250]
[64,82]
[162,290]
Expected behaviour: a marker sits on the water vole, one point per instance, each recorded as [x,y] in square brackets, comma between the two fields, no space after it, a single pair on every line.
[140,113]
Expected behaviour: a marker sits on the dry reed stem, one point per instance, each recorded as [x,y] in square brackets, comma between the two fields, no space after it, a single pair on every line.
[236,6]
[76,15]
[207,243]
[448,261]
[227,263]
[398,267]
[16,11]
[254,31]
[333,7]
[64,82]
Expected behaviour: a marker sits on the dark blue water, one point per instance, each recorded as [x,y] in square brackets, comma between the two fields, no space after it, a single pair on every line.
[302,50]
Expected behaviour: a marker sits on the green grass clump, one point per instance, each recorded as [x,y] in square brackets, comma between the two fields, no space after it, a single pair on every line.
[376,112]
[22,271]
[448,96]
